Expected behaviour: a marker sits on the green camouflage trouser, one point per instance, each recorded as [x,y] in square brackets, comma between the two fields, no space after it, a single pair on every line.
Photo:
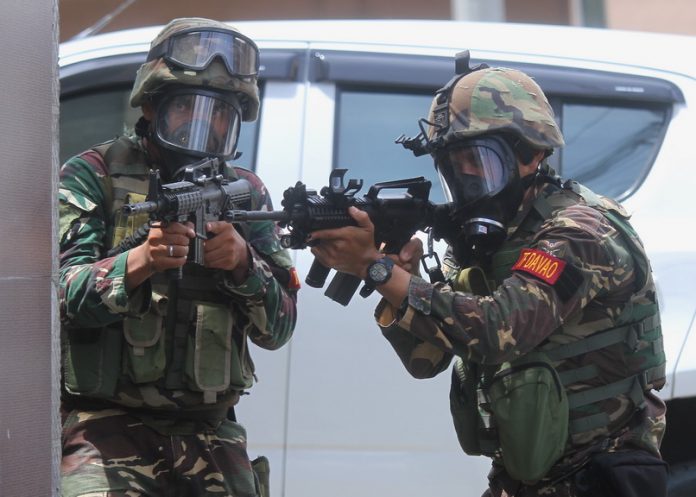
[111,453]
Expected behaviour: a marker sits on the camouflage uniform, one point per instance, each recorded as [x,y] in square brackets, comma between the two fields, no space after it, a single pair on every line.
[147,408]
[111,452]
[604,272]
[173,416]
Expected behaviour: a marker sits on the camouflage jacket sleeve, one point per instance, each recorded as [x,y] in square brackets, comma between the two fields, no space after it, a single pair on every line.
[92,289]
[524,310]
[270,291]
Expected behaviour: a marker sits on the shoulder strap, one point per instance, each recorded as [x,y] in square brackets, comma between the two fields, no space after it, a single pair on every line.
[619,218]
[123,156]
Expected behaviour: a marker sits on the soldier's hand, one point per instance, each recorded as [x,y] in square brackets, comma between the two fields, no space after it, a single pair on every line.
[226,249]
[166,247]
[350,249]
[410,255]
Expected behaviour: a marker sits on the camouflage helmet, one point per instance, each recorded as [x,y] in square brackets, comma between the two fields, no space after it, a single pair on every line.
[157,74]
[493,100]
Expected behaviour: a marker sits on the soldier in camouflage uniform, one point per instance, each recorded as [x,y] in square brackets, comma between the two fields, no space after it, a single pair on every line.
[150,378]
[547,303]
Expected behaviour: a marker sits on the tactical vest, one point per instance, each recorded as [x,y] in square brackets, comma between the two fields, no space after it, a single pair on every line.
[528,413]
[140,363]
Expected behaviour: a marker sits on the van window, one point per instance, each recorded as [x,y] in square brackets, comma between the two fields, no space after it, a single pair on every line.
[367,123]
[610,148]
[90,118]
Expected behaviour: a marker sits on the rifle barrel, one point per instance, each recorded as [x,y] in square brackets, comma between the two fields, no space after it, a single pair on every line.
[140,207]
[251,216]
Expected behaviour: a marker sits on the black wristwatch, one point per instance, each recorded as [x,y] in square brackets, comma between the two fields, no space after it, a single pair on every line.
[379,272]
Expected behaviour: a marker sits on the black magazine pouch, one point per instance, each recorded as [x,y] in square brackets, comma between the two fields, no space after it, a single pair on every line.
[628,473]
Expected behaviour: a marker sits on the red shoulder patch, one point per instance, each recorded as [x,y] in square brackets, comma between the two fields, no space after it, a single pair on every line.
[294,283]
[540,264]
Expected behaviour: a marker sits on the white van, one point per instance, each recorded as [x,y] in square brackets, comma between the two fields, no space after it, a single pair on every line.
[334,410]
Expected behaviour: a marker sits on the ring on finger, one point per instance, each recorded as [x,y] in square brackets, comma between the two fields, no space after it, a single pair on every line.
[170,250]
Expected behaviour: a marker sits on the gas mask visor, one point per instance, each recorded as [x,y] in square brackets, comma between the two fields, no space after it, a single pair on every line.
[480,177]
[195,49]
[198,122]
[474,170]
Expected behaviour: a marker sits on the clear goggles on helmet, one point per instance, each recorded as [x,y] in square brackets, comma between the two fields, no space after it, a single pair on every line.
[475,169]
[196,48]
[197,121]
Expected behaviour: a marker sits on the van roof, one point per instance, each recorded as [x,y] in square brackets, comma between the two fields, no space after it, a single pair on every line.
[564,44]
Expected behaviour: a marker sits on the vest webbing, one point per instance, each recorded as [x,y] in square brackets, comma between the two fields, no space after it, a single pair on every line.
[637,322]
[129,170]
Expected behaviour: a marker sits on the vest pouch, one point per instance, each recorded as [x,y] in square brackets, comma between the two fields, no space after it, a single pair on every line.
[91,360]
[464,406]
[125,226]
[530,410]
[213,357]
[262,473]
[472,280]
[145,358]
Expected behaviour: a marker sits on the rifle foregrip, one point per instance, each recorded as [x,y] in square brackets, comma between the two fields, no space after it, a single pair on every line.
[316,277]
[342,288]
[174,274]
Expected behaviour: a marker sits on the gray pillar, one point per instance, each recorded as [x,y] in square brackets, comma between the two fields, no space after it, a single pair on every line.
[478,10]
[29,428]
[577,17]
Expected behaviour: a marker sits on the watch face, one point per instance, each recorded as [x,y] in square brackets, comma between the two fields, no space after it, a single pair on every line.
[378,272]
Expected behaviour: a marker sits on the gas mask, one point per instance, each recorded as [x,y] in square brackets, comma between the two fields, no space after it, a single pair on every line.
[467,130]
[193,123]
[480,177]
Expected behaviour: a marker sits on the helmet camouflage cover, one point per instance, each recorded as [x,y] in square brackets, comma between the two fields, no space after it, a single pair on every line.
[495,100]
[156,74]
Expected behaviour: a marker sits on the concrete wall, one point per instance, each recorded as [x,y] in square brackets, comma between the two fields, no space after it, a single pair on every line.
[664,16]
[78,14]
[28,167]
[669,16]
[538,11]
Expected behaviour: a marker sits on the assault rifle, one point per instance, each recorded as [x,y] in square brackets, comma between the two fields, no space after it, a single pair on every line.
[202,195]
[396,218]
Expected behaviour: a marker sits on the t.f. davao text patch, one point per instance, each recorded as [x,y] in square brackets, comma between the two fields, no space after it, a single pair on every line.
[540,264]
